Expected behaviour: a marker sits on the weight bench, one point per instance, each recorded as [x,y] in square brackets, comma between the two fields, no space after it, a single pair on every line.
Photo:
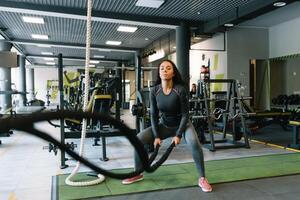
[295,141]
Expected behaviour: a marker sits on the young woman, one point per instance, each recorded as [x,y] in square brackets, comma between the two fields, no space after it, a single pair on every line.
[169,101]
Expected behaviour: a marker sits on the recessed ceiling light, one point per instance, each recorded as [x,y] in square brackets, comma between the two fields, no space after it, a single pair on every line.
[49,59]
[150,3]
[99,56]
[199,12]
[229,25]
[94,61]
[130,29]
[47,53]
[146,38]
[279,4]
[174,47]
[38,36]
[110,42]
[35,20]
[50,63]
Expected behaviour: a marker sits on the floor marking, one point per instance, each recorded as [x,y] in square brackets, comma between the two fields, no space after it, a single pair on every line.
[276,146]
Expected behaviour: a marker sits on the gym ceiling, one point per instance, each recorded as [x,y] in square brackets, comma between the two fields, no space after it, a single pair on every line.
[64,23]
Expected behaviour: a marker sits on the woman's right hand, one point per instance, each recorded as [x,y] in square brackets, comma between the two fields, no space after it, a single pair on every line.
[157,141]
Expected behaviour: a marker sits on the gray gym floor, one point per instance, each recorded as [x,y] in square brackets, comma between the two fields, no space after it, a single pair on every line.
[26,169]
[279,188]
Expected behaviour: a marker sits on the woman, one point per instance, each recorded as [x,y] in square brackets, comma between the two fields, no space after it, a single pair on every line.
[193,90]
[169,100]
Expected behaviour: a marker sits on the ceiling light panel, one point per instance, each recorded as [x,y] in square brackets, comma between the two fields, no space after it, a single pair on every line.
[110,42]
[41,37]
[49,59]
[129,29]
[94,61]
[150,3]
[44,45]
[47,53]
[34,20]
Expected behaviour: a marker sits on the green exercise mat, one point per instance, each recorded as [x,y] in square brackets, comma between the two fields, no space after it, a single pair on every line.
[185,175]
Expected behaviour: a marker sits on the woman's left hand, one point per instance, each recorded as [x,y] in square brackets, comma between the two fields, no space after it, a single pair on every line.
[176,140]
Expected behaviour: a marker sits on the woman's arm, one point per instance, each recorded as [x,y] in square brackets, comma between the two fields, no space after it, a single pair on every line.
[154,113]
[183,95]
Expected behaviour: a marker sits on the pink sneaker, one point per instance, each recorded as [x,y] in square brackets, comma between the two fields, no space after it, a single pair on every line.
[205,186]
[133,179]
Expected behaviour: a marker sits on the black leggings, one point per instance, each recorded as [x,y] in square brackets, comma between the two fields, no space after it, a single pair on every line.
[190,135]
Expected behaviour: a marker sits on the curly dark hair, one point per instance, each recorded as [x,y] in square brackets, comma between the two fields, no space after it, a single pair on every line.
[176,78]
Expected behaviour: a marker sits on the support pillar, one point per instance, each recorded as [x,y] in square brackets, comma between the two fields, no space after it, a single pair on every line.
[119,91]
[22,81]
[5,81]
[183,51]
[30,84]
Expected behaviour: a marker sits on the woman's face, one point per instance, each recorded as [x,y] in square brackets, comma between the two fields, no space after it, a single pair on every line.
[166,71]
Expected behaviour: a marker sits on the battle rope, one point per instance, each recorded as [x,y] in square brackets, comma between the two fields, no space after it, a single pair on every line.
[25,123]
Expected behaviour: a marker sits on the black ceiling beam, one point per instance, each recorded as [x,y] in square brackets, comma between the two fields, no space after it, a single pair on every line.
[239,15]
[163,22]
[72,45]
[74,58]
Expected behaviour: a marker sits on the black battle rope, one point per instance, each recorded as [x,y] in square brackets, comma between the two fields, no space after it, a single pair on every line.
[25,123]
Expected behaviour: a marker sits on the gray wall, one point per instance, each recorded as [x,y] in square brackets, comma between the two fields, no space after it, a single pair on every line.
[277,78]
[284,38]
[244,44]
[285,77]
[292,74]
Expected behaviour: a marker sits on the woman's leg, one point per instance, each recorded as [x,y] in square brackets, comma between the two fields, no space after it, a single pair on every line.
[146,137]
[192,140]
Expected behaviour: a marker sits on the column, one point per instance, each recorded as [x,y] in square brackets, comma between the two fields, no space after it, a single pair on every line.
[22,81]
[5,81]
[183,51]
[30,84]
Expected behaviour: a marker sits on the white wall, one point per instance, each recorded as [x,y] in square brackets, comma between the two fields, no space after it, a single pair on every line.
[218,65]
[41,75]
[284,38]
[212,49]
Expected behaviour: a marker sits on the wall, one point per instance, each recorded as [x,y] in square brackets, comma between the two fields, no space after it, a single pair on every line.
[217,61]
[277,78]
[41,75]
[292,72]
[214,51]
[285,77]
[284,38]
[244,44]
[130,75]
